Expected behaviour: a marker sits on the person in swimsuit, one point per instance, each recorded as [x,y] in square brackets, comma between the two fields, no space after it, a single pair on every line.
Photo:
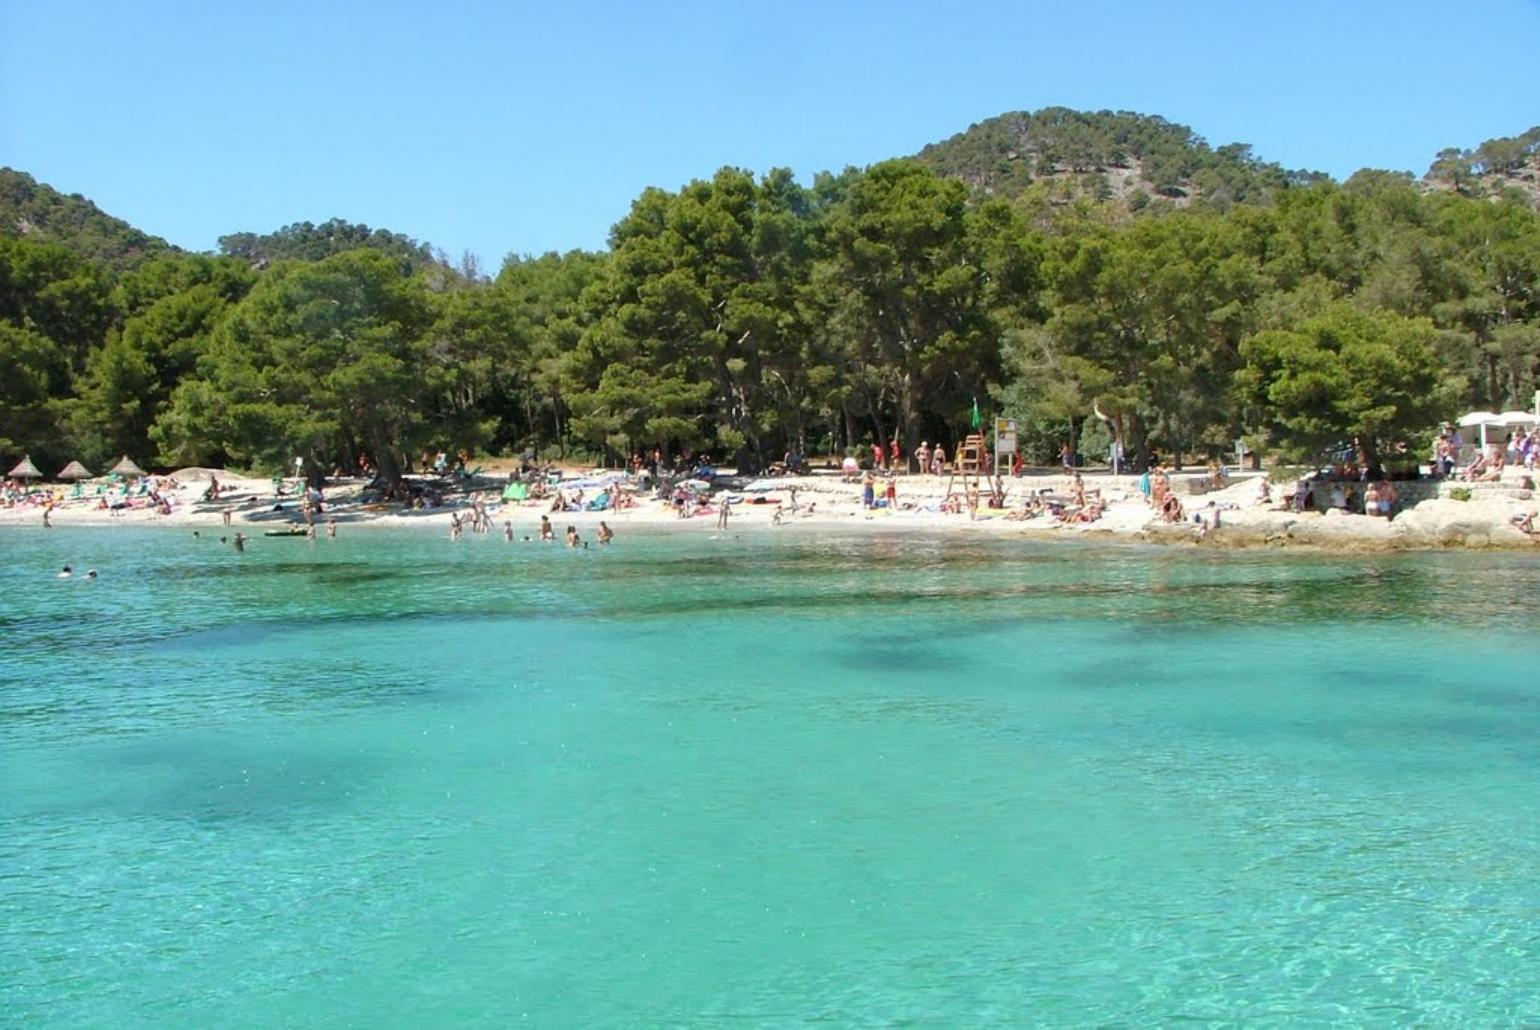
[605,533]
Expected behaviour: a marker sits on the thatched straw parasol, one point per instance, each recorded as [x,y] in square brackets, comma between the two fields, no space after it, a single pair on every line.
[75,470]
[26,470]
[126,468]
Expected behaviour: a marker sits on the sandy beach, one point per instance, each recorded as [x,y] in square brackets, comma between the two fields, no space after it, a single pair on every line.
[823,501]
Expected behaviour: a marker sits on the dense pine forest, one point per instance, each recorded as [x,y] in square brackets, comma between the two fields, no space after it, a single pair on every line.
[1045,265]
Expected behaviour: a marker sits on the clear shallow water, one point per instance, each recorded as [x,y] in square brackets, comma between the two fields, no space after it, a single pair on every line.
[392,780]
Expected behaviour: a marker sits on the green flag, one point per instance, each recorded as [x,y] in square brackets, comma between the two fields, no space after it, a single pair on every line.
[976,423]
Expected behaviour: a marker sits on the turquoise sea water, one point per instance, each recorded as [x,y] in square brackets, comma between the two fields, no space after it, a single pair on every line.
[766,779]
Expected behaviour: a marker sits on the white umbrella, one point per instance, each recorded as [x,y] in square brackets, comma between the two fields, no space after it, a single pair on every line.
[1517,418]
[1482,419]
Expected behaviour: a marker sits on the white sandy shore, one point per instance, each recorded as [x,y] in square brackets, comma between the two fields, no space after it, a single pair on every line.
[1483,521]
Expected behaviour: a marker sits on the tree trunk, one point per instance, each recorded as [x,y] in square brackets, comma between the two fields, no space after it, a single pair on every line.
[909,420]
[386,463]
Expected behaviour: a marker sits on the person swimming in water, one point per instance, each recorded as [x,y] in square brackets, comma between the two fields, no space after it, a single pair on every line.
[90,574]
[65,573]
[605,533]
[239,540]
[547,532]
[573,540]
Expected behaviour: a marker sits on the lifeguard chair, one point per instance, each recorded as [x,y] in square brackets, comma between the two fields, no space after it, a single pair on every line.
[971,464]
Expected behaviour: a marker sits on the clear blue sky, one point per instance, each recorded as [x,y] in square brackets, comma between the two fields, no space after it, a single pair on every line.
[501,127]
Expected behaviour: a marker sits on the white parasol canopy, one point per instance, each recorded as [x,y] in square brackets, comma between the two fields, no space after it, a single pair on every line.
[1481,419]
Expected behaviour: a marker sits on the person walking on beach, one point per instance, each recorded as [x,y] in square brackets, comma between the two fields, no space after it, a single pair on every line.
[877,456]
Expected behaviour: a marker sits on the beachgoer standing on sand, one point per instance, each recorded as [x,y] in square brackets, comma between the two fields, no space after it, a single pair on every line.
[894,454]
[877,456]
[723,510]
[868,491]
[892,492]
[938,460]
[225,515]
[972,494]
[1067,456]
[605,533]
[922,457]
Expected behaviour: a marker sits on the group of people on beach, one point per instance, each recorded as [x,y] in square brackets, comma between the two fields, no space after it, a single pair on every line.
[1519,449]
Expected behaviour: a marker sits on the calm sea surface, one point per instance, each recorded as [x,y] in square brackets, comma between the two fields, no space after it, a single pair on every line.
[769,778]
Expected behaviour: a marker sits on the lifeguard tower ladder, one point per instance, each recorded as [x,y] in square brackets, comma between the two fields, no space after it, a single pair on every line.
[970,464]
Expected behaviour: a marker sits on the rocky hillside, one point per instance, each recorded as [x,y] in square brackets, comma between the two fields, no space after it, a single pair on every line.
[1107,155]
[1496,166]
[37,211]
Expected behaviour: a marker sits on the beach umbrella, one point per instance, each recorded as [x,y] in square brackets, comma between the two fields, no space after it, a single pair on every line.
[26,470]
[74,470]
[1481,419]
[126,468]
[1517,418]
